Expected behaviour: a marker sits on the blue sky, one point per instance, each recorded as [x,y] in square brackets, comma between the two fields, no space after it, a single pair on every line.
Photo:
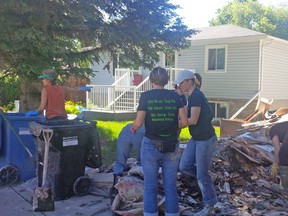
[197,13]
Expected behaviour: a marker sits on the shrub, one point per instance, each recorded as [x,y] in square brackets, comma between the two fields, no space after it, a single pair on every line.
[72,107]
[10,91]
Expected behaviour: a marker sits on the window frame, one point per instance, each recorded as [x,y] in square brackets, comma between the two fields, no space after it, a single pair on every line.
[210,47]
[223,103]
[171,59]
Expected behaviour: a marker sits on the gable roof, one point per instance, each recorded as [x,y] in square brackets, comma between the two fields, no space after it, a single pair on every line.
[225,32]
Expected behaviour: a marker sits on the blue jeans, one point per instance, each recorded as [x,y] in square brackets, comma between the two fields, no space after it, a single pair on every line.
[125,143]
[196,161]
[151,160]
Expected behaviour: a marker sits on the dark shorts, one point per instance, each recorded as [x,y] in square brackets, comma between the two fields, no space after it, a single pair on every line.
[58,118]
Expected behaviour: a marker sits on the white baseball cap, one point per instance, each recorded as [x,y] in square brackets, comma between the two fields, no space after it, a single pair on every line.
[183,75]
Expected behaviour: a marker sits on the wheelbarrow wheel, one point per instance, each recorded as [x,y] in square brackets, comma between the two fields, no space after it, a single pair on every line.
[82,186]
[9,174]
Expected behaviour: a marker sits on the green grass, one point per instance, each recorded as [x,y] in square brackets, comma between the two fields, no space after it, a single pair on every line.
[109,132]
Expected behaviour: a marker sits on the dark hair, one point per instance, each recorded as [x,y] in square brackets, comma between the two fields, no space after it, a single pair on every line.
[198,77]
[159,76]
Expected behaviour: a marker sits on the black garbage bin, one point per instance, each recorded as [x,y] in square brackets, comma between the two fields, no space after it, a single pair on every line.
[73,146]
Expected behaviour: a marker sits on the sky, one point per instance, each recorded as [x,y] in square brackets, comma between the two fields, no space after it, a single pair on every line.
[197,13]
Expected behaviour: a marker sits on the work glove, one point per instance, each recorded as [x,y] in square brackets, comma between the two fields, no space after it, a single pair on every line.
[274,169]
[32,113]
[85,88]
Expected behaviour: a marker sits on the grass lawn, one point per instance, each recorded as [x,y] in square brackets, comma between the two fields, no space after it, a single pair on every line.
[109,132]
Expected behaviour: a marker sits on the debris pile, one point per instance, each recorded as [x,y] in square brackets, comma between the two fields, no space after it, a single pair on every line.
[240,170]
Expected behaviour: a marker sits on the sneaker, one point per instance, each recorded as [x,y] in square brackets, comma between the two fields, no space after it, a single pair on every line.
[269,115]
[207,210]
[113,193]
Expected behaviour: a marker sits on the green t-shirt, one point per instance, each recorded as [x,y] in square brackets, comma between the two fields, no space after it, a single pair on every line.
[161,107]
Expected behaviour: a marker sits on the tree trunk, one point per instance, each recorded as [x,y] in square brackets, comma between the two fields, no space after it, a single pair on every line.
[30,95]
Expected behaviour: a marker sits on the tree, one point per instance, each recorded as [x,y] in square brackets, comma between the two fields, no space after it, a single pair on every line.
[69,34]
[252,15]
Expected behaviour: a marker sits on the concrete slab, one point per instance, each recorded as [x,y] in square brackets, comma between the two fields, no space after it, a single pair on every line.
[13,203]
[17,201]
[106,115]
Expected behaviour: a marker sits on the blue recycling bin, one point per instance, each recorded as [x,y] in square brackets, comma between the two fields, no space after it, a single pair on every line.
[13,152]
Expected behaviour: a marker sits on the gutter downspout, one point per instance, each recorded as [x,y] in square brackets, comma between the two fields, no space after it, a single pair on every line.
[260,75]
[263,43]
[260,78]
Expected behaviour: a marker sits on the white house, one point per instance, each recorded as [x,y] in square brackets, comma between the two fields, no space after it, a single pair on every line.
[236,64]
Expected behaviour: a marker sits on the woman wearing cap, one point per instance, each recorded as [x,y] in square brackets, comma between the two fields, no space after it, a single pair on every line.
[159,109]
[197,156]
[198,84]
[53,97]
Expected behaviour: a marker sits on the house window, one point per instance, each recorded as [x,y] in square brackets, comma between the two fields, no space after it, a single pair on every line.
[216,58]
[170,59]
[219,109]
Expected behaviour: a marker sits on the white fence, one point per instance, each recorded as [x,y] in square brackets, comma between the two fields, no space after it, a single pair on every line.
[122,95]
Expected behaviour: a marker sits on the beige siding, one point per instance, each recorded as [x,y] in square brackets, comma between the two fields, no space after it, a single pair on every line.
[241,79]
[275,70]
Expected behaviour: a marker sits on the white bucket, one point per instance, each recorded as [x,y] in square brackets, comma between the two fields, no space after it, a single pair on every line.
[17,105]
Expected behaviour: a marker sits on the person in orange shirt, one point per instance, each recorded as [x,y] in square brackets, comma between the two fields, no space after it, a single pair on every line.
[53,96]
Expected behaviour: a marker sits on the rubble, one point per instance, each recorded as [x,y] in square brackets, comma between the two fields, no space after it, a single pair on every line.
[240,170]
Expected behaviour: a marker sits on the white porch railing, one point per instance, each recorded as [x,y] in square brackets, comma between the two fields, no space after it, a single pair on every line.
[122,95]
[124,76]
[114,98]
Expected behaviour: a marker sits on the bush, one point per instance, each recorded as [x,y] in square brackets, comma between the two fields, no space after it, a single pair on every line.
[216,122]
[10,91]
[72,107]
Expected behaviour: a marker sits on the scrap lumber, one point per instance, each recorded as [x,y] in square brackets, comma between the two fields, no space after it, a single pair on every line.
[240,171]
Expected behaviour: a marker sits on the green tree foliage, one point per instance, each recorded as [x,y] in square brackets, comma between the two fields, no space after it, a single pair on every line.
[252,15]
[9,91]
[69,34]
